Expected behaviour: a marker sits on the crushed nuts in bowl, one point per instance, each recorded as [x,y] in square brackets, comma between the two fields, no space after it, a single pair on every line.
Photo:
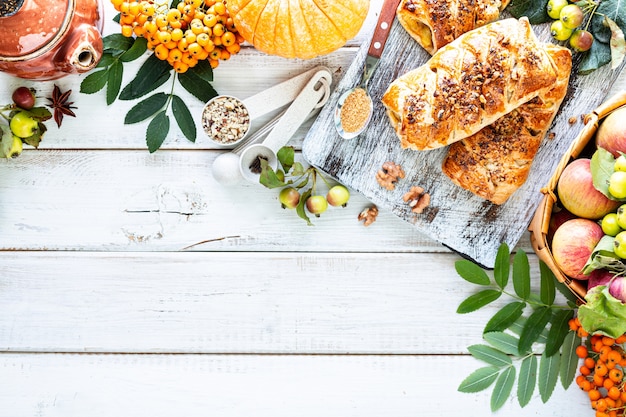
[226,120]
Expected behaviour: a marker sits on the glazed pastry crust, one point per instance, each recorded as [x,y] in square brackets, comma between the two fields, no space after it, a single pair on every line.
[436,23]
[469,84]
[496,161]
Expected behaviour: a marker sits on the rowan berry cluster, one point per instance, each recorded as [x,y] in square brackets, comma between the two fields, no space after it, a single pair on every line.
[602,371]
[193,31]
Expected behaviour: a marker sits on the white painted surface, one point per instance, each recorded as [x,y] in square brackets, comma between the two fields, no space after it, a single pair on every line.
[134,285]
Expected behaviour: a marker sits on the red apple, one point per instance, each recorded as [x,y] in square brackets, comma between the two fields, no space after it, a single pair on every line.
[599,277]
[572,245]
[617,288]
[558,217]
[579,196]
[611,134]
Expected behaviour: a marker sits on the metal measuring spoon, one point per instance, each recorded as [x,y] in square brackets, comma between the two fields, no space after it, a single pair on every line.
[383,27]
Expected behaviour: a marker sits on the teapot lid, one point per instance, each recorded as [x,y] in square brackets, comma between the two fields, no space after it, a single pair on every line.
[28,26]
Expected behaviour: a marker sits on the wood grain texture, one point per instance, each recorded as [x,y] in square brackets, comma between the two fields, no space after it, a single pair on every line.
[305,303]
[455,217]
[267,385]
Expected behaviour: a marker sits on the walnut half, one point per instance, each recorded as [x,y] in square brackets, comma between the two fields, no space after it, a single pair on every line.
[389,174]
[417,199]
[368,216]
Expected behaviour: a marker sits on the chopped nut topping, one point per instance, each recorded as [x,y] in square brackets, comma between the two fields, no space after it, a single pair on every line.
[572,120]
[389,175]
[225,119]
[368,215]
[417,199]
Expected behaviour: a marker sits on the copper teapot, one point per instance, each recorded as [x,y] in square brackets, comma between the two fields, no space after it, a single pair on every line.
[48,39]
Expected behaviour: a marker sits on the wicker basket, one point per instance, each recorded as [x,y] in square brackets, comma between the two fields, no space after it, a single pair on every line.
[541,221]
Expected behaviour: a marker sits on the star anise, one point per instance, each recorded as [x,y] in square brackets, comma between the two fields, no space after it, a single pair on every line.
[60,105]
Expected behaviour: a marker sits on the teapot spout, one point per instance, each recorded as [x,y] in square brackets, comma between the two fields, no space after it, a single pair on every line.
[82,51]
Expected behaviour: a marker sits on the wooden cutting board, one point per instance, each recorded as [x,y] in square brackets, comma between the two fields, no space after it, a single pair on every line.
[459,220]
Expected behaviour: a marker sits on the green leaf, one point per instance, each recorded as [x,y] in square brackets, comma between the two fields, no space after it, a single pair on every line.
[6,140]
[480,379]
[300,207]
[505,317]
[601,166]
[478,300]
[548,375]
[197,86]
[203,70]
[569,360]
[598,56]
[286,156]
[140,45]
[152,74]
[471,272]
[547,290]
[268,177]
[504,342]
[157,131]
[527,380]
[566,292]
[518,328]
[298,169]
[535,324]
[603,313]
[558,330]
[183,118]
[114,81]
[502,265]
[145,108]
[116,42]
[489,355]
[503,388]
[94,82]
[535,10]
[521,275]
[618,44]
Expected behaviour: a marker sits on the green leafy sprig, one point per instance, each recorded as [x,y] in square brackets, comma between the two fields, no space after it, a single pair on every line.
[605,19]
[152,74]
[528,327]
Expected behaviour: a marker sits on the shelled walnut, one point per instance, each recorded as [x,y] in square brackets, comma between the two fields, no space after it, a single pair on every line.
[417,199]
[389,174]
[368,215]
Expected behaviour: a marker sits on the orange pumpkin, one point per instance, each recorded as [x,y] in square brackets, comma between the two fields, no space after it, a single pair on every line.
[298,28]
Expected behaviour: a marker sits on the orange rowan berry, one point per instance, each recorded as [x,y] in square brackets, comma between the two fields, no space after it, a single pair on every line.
[116,4]
[219,7]
[173,15]
[209,20]
[225,55]
[601,414]
[161,21]
[622,396]
[610,402]
[604,352]
[176,34]
[601,369]
[229,39]
[190,36]
[218,30]
[581,351]
[183,45]
[214,63]
[612,413]
[177,24]
[147,8]
[589,363]
[614,356]
[596,345]
[240,38]
[202,55]
[582,332]
[234,48]
[127,30]
[230,24]
[180,67]
[594,394]
[161,52]
[621,339]
[150,27]
[133,8]
[194,48]
[174,55]
[127,19]
[196,26]
[598,380]
[614,393]
[616,375]
[601,404]
[608,341]
[139,30]
[215,54]
[209,3]
[125,7]
[608,383]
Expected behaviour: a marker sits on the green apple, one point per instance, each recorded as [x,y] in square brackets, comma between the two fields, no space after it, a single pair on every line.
[609,224]
[620,163]
[617,184]
[620,245]
[16,147]
[22,125]
[621,216]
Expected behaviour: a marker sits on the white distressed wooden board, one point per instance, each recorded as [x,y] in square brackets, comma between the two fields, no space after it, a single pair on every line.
[466,223]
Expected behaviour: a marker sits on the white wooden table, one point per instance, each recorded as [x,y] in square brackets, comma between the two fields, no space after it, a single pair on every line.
[104,312]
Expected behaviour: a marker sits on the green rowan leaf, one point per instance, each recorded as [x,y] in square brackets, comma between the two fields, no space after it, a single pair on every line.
[502,265]
[114,81]
[94,82]
[480,379]
[569,360]
[521,275]
[504,342]
[547,287]
[116,42]
[478,300]
[527,380]
[471,272]
[203,70]
[548,375]
[106,60]
[157,131]
[183,118]
[139,47]
[300,207]
[145,108]
[197,86]
[152,74]
[558,330]
[489,355]
[505,317]
[535,324]
[503,388]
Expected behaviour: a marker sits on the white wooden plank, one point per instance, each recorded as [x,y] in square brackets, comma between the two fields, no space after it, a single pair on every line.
[131,200]
[229,302]
[263,386]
